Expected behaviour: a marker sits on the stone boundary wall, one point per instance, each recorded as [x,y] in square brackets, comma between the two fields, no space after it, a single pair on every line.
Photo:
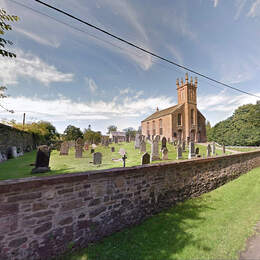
[10,136]
[42,217]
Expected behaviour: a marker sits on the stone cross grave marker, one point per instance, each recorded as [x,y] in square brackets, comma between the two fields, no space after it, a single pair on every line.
[164,142]
[97,158]
[213,148]
[164,153]
[155,150]
[79,148]
[64,148]
[179,152]
[208,150]
[146,158]
[42,159]
[122,152]
[191,150]
[142,146]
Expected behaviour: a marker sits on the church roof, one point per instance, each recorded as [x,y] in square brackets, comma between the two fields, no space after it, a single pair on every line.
[163,112]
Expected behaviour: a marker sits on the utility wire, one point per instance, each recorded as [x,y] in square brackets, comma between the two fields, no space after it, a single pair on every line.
[144,50]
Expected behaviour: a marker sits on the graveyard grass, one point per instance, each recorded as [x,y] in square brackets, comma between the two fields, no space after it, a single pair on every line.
[215,225]
[20,167]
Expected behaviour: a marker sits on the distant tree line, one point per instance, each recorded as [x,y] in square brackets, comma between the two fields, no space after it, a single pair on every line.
[241,129]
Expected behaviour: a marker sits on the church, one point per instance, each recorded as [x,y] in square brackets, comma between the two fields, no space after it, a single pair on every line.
[180,122]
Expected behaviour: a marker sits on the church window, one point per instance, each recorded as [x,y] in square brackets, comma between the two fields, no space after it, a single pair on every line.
[148,129]
[160,126]
[179,119]
[192,116]
[154,132]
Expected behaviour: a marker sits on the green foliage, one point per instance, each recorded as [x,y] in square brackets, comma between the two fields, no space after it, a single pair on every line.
[72,133]
[43,131]
[242,128]
[130,132]
[209,131]
[92,137]
[111,128]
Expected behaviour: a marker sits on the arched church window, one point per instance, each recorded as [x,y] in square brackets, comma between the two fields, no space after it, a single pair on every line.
[192,116]
[160,127]
[154,132]
[179,119]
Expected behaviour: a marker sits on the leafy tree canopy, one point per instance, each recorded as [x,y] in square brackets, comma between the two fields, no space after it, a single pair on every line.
[242,128]
[111,128]
[130,132]
[72,133]
[92,137]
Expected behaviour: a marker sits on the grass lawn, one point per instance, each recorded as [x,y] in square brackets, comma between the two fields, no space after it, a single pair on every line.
[213,226]
[20,167]
[244,149]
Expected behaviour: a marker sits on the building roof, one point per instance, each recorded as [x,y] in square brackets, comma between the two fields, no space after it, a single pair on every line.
[114,133]
[163,112]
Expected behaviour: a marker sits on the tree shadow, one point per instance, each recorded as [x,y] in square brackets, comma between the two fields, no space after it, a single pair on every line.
[163,236]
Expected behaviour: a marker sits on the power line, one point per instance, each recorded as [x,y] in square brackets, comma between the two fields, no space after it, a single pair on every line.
[144,50]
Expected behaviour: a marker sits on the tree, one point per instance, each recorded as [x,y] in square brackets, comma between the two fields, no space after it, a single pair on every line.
[4,43]
[72,133]
[111,128]
[92,137]
[209,131]
[130,132]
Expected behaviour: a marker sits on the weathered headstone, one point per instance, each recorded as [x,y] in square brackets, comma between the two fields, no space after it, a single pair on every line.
[42,159]
[116,140]
[79,148]
[157,138]
[64,148]
[179,152]
[97,158]
[197,151]
[164,142]
[146,158]
[213,148]
[12,152]
[155,150]
[106,142]
[183,146]
[113,149]
[208,150]
[142,146]
[164,153]
[92,150]
[191,150]
[224,148]
[137,141]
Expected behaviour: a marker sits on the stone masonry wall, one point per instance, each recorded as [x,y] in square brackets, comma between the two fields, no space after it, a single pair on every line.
[10,136]
[42,217]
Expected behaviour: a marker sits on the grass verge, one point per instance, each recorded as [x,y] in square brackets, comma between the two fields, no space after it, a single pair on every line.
[213,226]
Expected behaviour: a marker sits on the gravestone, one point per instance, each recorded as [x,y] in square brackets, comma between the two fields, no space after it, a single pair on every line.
[183,146]
[106,142]
[197,151]
[142,146]
[146,158]
[157,138]
[116,140]
[179,152]
[79,148]
[137,141]
[188,140]
[208,150]
[155,150]
[19,151]
[164,142]
[213,148]
[42,159]
[165,154]
[93,146]
[2,157]
[112,149]
[11,152]
[122,151]
[191,150]
[64,148]
[97,158]
[92,150]
[224,148]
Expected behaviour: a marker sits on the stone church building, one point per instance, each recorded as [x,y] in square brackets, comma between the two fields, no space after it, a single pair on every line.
[180,122]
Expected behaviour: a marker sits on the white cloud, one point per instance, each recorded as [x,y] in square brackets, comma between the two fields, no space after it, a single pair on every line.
[215,3]
[91,84]
[42,40]
[63,109]
[239,5]
[224,103]
[30,66]
[255,9]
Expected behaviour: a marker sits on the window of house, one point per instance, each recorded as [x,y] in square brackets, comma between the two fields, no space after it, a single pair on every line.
[192,116]
[179,119]
[160,127]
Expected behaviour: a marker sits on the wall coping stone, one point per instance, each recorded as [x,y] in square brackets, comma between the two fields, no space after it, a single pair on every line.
[35,182]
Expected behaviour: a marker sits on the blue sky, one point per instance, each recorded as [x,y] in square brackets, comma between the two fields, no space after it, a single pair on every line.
[67,76]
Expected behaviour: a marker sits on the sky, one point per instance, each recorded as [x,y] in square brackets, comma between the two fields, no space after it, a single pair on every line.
[68,73]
